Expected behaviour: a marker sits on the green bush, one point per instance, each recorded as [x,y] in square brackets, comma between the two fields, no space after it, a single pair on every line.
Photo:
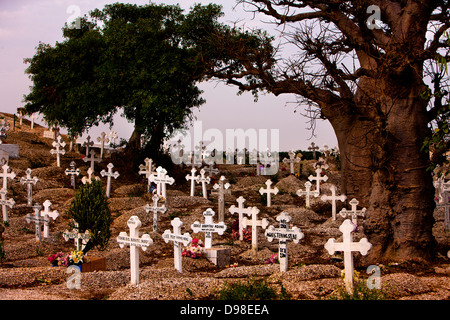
[89,208]
[253,289]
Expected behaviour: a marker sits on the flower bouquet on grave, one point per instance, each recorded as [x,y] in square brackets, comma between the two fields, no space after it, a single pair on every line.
[55,258]
[273,259]
[195,250]
[76,257]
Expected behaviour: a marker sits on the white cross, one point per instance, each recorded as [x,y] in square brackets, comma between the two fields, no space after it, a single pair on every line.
[112,136]
[254,223]
[161,179]
[5,204]
[308,193]
[348,246]
[211,170]
[77,237]
[88,143]
[58,143]
[20,115]
[90,176]
[318,178]
[353,213]
[29,181]
[193,179]
[203,180]
[291,160]
[156,211]
[209,227]
[268,191]
[147,169]
[135,243]
[240,210]
[102,139]
[321,164]
[92,159]
[47,214]
[333,199]
[33,117]
[222,188]
[72,171]
[177,239]
[313,148]
[5,175]
[446,206]
[283,234]
[37,219]
[109,174]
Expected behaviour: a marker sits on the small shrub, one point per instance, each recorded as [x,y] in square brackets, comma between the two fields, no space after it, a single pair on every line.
[252,289]
[360,292]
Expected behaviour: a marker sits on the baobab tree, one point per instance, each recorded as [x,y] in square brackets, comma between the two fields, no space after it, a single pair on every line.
[360,65]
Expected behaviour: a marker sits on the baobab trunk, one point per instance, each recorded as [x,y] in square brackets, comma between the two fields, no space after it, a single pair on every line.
[385,170]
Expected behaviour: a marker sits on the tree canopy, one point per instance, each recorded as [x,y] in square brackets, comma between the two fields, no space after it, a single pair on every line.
[140,60]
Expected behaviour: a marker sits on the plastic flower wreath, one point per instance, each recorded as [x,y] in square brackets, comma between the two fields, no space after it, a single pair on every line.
[195,250]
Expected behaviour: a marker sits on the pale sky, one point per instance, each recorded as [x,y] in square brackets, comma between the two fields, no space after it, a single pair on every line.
[25,23]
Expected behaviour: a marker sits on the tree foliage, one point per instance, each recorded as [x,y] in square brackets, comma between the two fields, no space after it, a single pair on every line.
[141,60]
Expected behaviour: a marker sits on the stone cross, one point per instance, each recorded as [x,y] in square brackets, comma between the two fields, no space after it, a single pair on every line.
[177,239]
[29,181]
[283,234]
[109,174]
[102,139]
[240,210]
[193,179]
[308,193]
[292,159]
[348,246]
[72,171]
[88,143]
[268,191]
[58,143]
[79,238]
[156,211]
[333,198]
[90,176]
[222,187]
[209,227]
[446,206]
[161,179]
[135,243]
[318,178]
[37,219]
[254,223]
[313,148]
[47,214]
[92,159]
[5,202]
[5,175]
[203,180]
[147,169]
[353,213]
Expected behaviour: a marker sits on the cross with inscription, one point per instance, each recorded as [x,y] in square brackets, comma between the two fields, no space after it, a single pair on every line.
[283,234]
[161,179]
[73,172]
[209,227]
[156,211]
[308,193]
[354,212]
[178,239]
[59,145]
[135,243]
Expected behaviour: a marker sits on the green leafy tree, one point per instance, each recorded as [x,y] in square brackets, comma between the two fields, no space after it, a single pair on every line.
[89,208]
[141,60]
